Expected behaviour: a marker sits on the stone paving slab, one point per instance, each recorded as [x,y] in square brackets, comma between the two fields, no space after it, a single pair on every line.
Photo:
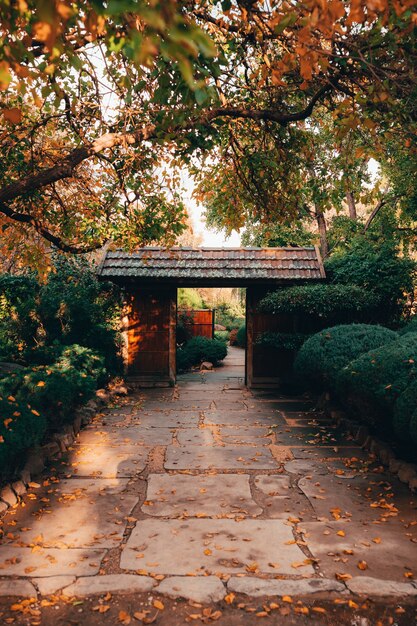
[83,512]
[195,436]
[367,586]
[108,461]
[110,583]
[251,435]
[238,418]
[203,590]
[170,419]
[329,452]
[256,587]
[273,485]
[219,495]
[16,561]
[227,457]
[17,588]
[210,546]
[130,435]
[325,493]
[53,584]
[388,559]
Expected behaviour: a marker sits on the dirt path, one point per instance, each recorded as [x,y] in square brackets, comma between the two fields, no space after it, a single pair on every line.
[244,504]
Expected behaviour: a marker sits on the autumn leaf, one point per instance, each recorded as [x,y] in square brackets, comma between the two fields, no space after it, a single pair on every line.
[287,599]
[124,618]
[362,565]
[343,577]
[229,599]
[13,115]
[159,605]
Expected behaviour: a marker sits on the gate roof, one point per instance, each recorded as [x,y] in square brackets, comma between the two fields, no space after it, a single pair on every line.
[217,266]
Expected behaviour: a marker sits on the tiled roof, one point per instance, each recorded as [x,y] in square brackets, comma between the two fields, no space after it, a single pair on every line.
[213,264]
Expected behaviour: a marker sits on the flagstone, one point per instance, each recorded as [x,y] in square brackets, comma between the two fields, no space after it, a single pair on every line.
[81,512]
[209,546]
[17,561]
[110,583]
[198,589]
[177,495]
[226,457]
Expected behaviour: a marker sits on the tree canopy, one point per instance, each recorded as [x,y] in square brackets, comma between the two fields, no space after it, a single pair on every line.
[103,103]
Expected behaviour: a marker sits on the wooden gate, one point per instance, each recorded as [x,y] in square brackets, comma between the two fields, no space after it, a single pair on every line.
[199,322]
[150,335]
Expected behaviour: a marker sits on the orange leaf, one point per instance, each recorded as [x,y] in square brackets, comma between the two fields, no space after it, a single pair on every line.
[13,115]
[159,605]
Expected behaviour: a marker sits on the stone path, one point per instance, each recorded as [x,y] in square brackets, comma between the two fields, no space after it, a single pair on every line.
[208,490]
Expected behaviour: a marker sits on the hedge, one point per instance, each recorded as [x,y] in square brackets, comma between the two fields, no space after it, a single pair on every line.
[405,414]
[374,382]
[323,355]
[324,301]
[200,349]
[286,341]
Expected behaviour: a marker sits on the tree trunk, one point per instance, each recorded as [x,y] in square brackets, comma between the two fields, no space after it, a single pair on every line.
[352,206]
[321,223]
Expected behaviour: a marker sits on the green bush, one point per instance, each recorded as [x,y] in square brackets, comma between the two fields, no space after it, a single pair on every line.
[56,390]
[286,341]
[71,307]
[21,426]
[321,357]
[323,301]
[405,414]
[200,349]
[376,268]
[373,382]
[241,337]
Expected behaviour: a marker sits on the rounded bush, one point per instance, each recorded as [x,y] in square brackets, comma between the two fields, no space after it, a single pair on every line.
[200,349]
[374,381]
[404,409]
[413,427]
[323,355]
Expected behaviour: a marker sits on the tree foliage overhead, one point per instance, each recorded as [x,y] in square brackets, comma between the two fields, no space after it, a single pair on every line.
[103,102]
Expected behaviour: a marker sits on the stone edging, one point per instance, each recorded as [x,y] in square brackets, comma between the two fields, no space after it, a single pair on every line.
[406,472]
[37,458]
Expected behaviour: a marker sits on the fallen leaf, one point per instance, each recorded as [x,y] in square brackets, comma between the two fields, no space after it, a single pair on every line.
[343,576]
[362,565]
[287,599]
[124,617]
[159,605]
[229,599]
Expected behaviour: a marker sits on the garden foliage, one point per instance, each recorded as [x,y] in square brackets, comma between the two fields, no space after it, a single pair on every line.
[199,349]
[321,358]
[373,373]
[62,331]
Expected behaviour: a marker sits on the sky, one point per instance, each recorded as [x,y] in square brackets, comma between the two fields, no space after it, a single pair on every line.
[210,237]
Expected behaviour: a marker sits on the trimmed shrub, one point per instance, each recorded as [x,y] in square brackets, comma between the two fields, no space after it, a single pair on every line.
[21,426]
[285,341]
[321,357]
[374,381]
[241,337]
[405,414]
[323,301]
[200,349]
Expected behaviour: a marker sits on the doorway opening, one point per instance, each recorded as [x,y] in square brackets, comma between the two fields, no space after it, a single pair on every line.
[211,334]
